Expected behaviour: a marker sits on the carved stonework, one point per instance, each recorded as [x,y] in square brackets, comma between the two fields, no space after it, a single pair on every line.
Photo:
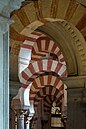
[79,45]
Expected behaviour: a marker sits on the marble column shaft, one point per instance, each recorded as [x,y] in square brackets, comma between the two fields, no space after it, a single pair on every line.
[21,121]
[4,74]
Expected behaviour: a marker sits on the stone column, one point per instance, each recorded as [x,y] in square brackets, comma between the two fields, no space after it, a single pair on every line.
[76,97]
[27,123]
[23,114]
[6,7]
[4,72]
[75,113]
[20,119]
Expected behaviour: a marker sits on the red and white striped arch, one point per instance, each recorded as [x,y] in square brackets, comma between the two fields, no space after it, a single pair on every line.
[39,55]
[46,91]
[37,47]
[45,45]
[48,102]
[44,81]
[38,67]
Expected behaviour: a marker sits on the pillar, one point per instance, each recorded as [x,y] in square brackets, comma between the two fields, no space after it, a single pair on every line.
[4,72]
[75,113]
[23,114]
[20,120]
[27,123]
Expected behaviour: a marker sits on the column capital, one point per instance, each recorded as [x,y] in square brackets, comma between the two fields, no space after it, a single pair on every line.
[10,6]
[20,112]
[4,23]
[6,7]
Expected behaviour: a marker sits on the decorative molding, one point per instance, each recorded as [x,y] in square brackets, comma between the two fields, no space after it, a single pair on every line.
[79,46]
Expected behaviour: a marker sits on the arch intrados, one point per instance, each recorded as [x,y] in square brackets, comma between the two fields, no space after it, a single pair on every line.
[48,99]
[45,81]
[46,91]
[58,101]
[46,105]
